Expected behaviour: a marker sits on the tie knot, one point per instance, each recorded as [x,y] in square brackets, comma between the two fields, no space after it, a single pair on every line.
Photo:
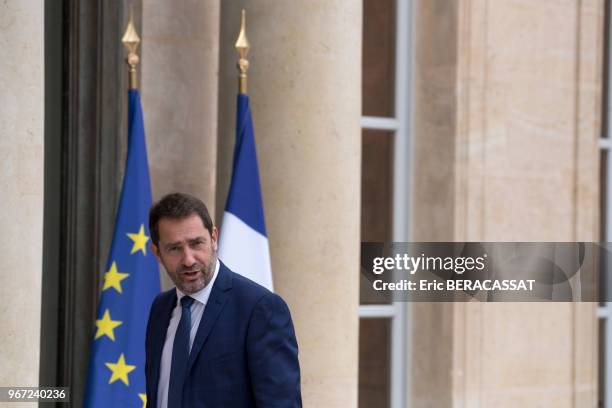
[186,302]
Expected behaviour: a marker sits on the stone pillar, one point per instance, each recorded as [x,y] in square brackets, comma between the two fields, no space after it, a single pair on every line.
[180,66]
[433,204]
[305,89]
[22,181]
[521,129]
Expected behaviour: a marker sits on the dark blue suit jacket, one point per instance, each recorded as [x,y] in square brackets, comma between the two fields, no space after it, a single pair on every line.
[244,354]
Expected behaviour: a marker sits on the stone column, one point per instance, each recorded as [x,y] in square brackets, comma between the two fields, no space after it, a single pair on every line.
[433,203]
[22,181]
[305,89]
[180,66]
[520,130]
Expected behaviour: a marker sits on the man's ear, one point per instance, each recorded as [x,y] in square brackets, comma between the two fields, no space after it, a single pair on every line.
[215,237]
[155,251]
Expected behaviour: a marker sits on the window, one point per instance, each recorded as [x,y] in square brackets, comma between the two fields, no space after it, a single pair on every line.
[383,343]
[604,311]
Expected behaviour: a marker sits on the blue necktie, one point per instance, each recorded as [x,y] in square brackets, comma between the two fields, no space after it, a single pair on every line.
[180,355]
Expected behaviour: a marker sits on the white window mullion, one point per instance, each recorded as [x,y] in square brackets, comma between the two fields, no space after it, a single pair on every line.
[400,346]
[375,311]
[378,123]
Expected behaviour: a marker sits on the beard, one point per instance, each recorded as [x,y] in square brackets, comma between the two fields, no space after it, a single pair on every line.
[195,278]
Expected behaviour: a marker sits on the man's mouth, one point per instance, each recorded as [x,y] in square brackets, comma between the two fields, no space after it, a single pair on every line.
[190,274]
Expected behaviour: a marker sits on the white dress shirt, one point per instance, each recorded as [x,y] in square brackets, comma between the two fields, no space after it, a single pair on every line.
[197,309]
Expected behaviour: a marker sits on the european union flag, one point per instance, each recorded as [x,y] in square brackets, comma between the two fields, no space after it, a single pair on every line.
[131,281]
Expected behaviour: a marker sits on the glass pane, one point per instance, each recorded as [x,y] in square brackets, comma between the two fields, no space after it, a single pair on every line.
[604,280]
[603,192]
[602,363]
[603,265]
[376,186]
[378,61]
[605,125]
[374,363]
[376,196]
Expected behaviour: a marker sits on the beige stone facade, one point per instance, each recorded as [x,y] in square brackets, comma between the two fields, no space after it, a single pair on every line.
[180,54]
[22,163]
[506,119]
[508,106]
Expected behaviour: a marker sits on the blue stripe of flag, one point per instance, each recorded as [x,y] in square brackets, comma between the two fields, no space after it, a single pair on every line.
[244,199]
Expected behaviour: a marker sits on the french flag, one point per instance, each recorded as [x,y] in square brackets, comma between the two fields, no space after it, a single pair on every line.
[243,242]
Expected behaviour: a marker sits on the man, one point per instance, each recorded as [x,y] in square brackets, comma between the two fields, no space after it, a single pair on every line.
[217,339]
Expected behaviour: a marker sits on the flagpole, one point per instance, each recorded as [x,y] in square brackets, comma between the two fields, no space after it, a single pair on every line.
[131,40]
[116,375]
[244,224]
[242,46]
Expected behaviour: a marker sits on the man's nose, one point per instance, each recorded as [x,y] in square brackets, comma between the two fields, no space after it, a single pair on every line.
[188,258]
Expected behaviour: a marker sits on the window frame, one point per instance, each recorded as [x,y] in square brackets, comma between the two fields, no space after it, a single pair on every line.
[399,126]
[604,312]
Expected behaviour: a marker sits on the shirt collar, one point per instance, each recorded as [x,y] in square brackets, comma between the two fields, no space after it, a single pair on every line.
[203,294]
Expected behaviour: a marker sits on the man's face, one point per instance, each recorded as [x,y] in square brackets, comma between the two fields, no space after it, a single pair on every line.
[188,252]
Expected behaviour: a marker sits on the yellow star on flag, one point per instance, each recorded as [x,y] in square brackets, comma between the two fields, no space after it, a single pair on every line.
[140,241]
[120,370]
[113,278]
[106,326]
[143,398]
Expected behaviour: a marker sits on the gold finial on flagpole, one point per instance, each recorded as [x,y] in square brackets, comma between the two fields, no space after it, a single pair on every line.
[242,46]
[131,40]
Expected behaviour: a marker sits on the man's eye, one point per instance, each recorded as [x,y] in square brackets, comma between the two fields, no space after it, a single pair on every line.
[197,244]
[173,249]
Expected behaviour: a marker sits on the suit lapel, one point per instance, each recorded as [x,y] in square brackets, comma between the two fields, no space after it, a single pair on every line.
[159,336]
[216,302]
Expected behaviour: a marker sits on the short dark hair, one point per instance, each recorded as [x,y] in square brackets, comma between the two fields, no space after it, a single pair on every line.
[177,206]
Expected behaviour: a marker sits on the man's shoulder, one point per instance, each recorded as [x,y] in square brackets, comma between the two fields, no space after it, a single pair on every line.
[248,290]
[164,297]
[265,308]
[243,284]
